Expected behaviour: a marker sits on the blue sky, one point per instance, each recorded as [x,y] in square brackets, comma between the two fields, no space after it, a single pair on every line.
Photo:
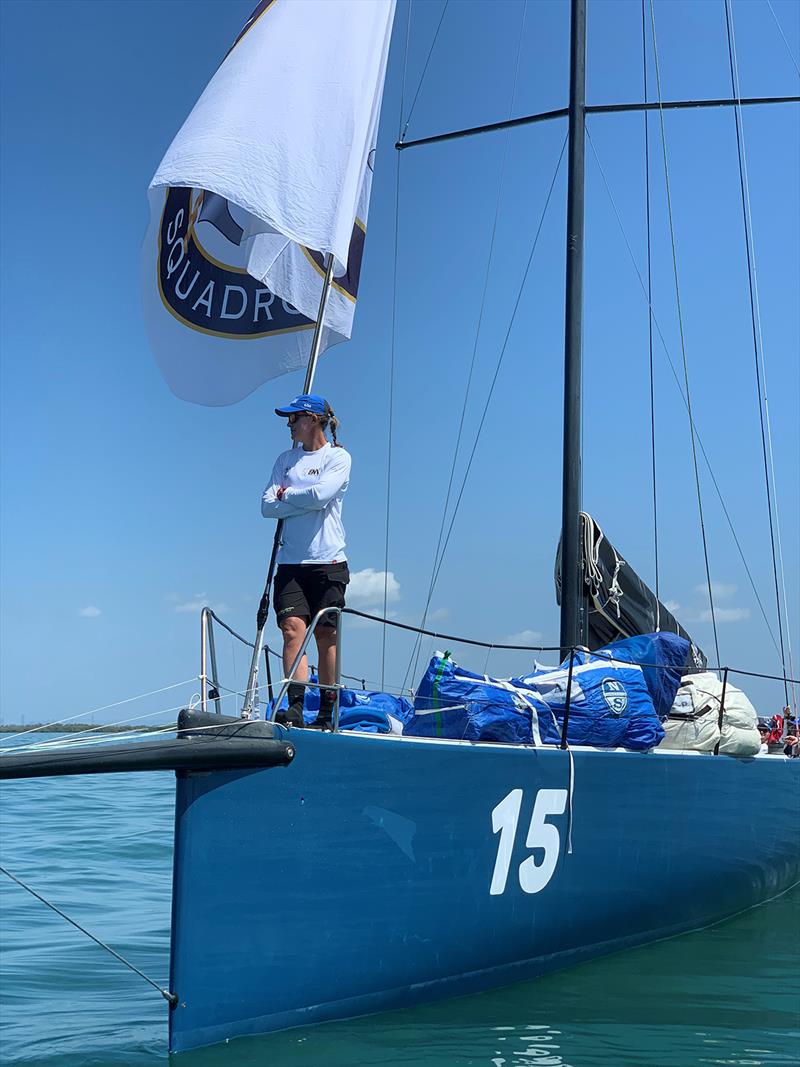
[124,509]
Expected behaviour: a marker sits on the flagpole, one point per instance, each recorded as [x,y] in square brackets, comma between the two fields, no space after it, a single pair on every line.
[313,358]
[263,608]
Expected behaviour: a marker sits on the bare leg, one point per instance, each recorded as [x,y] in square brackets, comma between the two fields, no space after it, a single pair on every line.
[326,648]
[294,632]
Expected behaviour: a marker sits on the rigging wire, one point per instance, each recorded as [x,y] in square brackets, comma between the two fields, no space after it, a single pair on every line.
[487,274]
[425,68]
[84,736]
[679,386]
[95,711]
[91,735]
[171,998]
[390,427]
[681,332]
[67,743]
[497,369]
[755,321]
[502,353]
[783,35]
[650,318]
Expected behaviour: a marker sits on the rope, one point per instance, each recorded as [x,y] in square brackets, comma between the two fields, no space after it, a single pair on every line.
[427,61]
[265,647]
[450,637]
[650,316]
[486,661]
[487,273]
[665,347]
[593,574]
[681,332]
[755,314]
[783,35]
[171,998]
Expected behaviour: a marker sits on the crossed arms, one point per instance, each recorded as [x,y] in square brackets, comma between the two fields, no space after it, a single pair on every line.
[279,502]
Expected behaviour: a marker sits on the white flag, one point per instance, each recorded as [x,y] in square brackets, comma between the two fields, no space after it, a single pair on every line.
[271,172]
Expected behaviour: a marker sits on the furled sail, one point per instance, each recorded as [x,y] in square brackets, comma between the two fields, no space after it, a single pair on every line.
[269,174]
[618,604]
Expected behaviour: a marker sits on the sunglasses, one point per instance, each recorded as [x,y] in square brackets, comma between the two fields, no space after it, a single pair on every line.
[295,415]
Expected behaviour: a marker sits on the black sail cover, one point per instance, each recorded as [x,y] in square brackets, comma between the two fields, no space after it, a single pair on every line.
[616,601]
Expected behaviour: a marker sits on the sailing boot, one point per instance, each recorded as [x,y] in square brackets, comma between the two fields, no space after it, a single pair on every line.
[293,716]
[324,720]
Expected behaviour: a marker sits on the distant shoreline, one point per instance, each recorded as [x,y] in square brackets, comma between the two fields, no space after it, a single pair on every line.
[65,728]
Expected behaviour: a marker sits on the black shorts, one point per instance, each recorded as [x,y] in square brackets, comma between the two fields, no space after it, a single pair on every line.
[302,589]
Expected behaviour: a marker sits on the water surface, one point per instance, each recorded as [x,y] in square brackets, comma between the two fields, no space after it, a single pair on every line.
[100,848]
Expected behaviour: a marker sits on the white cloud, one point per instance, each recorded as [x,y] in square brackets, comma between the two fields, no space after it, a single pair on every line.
[522,637]
[719,590]
[724,611]
[723,615]
[196,604]
[90,612]
[366,588]
[438,614]
[672,606]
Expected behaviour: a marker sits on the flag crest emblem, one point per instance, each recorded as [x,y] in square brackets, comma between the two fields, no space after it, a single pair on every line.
[199,280]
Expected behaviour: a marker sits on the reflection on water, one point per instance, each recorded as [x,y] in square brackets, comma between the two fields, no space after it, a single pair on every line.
[101,849]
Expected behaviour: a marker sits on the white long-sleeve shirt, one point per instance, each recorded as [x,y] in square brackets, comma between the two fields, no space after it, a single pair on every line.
[311,507]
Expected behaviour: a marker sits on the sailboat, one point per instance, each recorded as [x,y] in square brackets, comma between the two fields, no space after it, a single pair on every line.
[320,876]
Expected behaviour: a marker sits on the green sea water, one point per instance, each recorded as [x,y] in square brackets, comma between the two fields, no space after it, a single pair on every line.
[101,849]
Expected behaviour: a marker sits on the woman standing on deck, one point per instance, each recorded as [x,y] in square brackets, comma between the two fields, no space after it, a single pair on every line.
[306,490]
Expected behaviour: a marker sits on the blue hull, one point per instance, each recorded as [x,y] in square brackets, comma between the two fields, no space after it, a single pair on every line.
[374,872]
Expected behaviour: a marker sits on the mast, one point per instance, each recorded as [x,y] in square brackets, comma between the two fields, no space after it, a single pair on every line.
[571,623]
[574,603]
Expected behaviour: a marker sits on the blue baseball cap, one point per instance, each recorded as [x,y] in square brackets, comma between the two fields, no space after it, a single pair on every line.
[317,405]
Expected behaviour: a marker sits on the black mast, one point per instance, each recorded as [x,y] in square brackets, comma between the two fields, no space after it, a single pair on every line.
[571,486]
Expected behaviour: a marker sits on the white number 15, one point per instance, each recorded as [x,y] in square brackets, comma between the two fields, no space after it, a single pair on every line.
[533,877]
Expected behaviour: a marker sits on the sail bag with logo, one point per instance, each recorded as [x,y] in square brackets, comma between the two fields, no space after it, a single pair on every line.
[610,705]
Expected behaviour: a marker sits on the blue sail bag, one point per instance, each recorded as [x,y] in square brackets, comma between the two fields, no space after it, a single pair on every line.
[610,705]
[455,703]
